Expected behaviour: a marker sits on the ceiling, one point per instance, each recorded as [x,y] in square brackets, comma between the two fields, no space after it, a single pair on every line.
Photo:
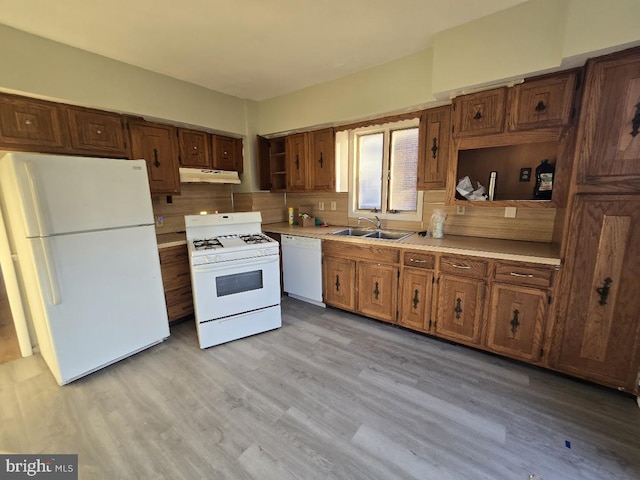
[255,49]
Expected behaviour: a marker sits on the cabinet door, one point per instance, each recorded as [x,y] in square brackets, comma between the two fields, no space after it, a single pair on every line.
[97,133]
[479,113]
[194,149]
[339,282]
[378,290]
[227,153]
[415,302]
[157,145]
[176,280]
[542,102]
[516,321]
[322,160]
[297,161]
[609,137]
[460,308]
[600,323]
[31,125]
[433,148]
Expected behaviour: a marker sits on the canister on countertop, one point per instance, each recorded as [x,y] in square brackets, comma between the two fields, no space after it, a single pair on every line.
[292,215]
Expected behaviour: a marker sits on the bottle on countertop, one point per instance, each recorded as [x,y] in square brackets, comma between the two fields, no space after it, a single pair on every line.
[491,191]
[545,173]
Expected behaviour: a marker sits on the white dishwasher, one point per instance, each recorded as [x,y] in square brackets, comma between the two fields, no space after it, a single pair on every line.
[302,268]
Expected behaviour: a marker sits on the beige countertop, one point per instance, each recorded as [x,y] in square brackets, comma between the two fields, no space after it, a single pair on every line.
[534,252]
[166,240]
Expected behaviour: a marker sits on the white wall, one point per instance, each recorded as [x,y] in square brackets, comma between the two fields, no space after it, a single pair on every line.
[34,66]
[530,38]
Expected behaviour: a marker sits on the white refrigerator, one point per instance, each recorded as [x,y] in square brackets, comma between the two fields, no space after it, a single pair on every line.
[82,238]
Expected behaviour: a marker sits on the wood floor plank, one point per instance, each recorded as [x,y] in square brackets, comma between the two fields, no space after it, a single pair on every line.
[330,395]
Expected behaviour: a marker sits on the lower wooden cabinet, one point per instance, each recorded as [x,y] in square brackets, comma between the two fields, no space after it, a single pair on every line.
[599,324]
[517,320]
[415,299]
[339,282]
[460,308]
[378,290]
[176,280]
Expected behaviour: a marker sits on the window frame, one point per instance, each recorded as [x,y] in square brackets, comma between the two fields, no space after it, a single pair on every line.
[383,214]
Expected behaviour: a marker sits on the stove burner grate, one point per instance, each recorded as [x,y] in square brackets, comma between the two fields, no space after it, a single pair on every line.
[207,244]
[255,238]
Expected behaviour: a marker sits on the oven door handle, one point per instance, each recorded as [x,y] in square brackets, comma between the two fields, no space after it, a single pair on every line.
[218,267]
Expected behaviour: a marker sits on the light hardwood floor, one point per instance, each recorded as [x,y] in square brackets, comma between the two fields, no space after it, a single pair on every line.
[330,395]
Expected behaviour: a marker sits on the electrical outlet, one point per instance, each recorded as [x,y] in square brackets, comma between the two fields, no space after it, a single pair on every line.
[460,209]
[320,205]
[509,212]
[159,221]
[333,205]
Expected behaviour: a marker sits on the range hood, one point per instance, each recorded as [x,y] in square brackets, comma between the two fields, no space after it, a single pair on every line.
[197,175]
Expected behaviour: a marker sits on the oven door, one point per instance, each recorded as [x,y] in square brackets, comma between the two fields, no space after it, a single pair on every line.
[229,288]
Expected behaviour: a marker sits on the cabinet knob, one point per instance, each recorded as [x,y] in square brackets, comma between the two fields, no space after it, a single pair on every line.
[27,122]
[515,323]
[604,291]
[99,132]
[635,122]
[540,107]
[195,148]
[434,148]
[477,116]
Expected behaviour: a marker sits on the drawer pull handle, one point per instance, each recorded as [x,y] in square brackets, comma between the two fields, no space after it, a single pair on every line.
[417,260]
[337,283]
[635,122]
[416,299]
[321,161]
[522,275]
[462,267]
[376,291]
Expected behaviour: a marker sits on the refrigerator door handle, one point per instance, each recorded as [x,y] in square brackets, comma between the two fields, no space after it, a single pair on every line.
[52,278]
[36,210]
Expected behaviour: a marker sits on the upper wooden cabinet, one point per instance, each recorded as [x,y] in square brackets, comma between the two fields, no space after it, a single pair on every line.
[299,162]
[194,147]
[32,125]
[95,131]
[433,148]
[227,153]
[322,174]
[156,143]
[609,132]
[542,102]
[479,113]
[296,155]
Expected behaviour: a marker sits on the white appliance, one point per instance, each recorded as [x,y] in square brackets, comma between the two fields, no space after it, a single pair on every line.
[81,234]
[235,276]
[302,268]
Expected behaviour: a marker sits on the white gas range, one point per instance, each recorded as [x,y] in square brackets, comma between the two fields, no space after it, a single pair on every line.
[235,276]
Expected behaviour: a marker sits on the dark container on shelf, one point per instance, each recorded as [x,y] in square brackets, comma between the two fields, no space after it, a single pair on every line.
[545,173]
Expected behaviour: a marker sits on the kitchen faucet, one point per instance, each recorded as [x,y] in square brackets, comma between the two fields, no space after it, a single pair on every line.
[376,223]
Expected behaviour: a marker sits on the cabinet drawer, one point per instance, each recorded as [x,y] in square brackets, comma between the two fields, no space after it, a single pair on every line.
[462,266]
[361,251]
[524,274]
[419,260]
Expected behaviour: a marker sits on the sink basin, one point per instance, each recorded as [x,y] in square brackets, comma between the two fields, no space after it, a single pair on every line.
[353,232]
[388,234]
[370,233]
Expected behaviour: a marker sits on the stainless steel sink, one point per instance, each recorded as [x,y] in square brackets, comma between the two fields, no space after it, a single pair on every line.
[388,234]
[353,232]
[370,233]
